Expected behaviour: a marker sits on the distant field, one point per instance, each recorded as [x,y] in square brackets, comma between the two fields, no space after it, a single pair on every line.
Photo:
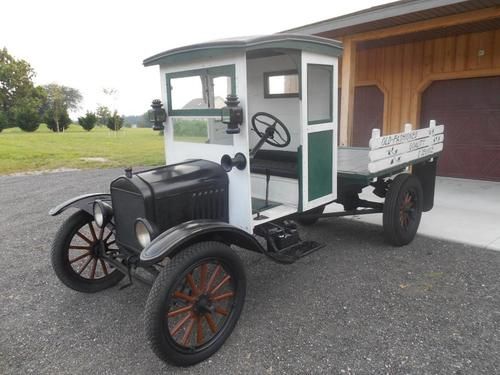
[43,149]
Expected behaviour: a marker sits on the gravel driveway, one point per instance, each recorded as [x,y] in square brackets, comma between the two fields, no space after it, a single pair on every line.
[356,306]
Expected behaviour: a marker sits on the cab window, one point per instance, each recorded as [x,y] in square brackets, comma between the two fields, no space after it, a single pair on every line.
[199,92]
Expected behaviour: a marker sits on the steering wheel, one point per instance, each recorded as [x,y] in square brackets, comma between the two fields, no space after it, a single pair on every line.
[277,136]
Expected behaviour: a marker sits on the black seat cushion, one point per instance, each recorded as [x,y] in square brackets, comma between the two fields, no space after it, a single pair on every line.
[279,163]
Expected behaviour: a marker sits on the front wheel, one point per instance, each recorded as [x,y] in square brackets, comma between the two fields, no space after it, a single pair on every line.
[194,303]
[402,209]
[76,254]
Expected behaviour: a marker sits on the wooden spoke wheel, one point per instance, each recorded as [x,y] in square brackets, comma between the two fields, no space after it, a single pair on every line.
[195,303]
[402,209]
[77,254]
[407,209]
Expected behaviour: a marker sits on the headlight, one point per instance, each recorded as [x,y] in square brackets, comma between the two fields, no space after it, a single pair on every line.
[144,231]
[103,213]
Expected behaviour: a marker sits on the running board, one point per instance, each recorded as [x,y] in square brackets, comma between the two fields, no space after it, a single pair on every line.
[291,254]
[301,249]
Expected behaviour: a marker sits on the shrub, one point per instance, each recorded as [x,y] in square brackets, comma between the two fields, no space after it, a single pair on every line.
[115,122]
[63,119]
[88,121]
[27,118]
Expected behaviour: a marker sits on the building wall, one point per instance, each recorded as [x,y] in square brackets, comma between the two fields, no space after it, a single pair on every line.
[404,71]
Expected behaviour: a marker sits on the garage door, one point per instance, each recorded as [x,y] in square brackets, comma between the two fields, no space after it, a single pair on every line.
[368,114]
[470,110]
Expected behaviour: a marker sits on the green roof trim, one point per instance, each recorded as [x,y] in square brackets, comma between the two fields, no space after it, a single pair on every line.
[274,41]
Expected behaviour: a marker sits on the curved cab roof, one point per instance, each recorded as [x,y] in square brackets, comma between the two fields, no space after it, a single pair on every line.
[275,41]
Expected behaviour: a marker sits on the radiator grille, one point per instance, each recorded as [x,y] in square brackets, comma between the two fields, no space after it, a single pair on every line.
[127,207]
[210,204]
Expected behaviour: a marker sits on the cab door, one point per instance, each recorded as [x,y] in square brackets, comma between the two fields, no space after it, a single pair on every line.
[319,130]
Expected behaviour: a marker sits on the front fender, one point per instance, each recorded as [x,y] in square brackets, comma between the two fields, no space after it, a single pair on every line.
[176,238]
[82,202]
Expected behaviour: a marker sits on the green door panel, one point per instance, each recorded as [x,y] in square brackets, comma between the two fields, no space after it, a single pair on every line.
[320,161]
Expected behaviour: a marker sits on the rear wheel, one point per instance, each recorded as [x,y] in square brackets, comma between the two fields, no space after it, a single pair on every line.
[194,303]
[402,209]
[76,254]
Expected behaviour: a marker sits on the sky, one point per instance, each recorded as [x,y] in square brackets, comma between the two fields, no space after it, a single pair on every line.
[100,45]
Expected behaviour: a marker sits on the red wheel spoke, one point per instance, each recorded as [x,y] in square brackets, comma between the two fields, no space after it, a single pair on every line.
[179,325]
[80,248]
[221,311]
[221,284]
[184,296]
[104,267]
[203,276]
[85,265]
[79,258]
[211,324]
[223,296]
[192,284]
[92,231]
[94,266]
[213,277]
[199,330]
[84,238]
[184,309]
[187,335]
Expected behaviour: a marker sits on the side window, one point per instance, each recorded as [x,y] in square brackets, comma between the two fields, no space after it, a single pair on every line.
[283,84]
[319,93]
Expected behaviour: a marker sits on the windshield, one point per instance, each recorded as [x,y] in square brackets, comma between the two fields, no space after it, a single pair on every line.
[199,92]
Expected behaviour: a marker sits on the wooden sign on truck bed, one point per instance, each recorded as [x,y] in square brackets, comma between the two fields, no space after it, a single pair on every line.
[402,148]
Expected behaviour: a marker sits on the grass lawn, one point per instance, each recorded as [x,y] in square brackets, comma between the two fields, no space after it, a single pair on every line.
[43,149]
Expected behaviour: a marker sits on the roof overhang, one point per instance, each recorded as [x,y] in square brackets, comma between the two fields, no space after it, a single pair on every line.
[390,14]
[275,41]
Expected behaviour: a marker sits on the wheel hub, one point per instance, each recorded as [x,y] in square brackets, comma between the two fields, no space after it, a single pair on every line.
[204,305]
[99,248]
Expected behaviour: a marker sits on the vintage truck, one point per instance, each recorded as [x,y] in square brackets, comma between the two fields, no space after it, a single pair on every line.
[250,129]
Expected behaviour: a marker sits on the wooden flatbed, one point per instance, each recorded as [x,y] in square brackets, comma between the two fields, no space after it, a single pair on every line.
[388,155]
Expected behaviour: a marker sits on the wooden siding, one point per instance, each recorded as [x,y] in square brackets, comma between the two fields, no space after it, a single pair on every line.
[404,71]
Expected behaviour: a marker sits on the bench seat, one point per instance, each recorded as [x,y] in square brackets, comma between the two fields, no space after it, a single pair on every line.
[279,163]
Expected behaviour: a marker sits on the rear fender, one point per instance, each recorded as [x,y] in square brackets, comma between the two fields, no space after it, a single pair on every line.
[82,202]
[426,173]
[179,237]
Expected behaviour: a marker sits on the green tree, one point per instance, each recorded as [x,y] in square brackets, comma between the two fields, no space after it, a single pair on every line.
[27,118]
[16,80]
[88,121]
[115,122]
[17,89]
[57,122]
[103,114]
[3,120]
[60,99]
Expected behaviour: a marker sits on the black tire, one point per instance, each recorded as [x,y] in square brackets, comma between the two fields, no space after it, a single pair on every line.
[402,209]
[175,341]
[306,221]
[72,272]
